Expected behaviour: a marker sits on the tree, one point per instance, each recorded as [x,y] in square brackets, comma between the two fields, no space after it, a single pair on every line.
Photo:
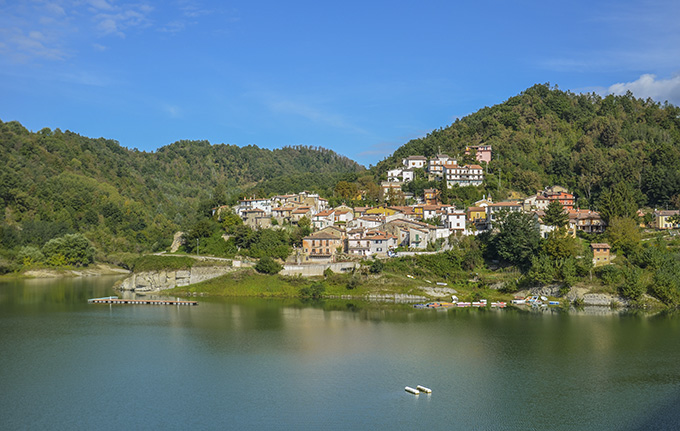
[444,193]
[304,222]
[555,215]
[72,249]
[518,239]
[376,266]
[267,265]
[618,202]
[624,234]
[346,190]
[559,246]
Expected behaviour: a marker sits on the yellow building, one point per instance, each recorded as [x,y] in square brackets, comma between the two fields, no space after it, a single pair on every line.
[381,211]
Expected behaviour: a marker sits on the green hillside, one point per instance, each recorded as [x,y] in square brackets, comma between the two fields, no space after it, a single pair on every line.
[588,143]
[55,183]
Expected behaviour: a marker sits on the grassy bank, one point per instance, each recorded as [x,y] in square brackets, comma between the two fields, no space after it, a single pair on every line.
[248,283]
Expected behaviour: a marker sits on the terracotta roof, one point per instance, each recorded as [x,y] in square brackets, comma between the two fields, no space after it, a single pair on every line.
[505,204]
[600,245]
[666,213]
[322,235]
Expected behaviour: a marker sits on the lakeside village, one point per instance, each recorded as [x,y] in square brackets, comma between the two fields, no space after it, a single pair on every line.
[343,234]
[381,231]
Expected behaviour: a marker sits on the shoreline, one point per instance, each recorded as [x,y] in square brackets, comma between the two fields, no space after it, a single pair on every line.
[94,270]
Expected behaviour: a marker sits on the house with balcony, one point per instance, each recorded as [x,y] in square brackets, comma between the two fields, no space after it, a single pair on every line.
[321,247]
[465,175]
[435,166]
[587,221]
[371,243]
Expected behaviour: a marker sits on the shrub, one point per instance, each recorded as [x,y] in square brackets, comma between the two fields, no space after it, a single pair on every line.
[267,265]
[30,255]
[315,291]
[376,266]
[72,249]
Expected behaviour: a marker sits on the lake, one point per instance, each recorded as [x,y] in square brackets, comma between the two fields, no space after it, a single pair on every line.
[279,364]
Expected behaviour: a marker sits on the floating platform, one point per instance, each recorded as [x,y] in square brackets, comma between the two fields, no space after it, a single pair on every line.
[411,390]
[116,300]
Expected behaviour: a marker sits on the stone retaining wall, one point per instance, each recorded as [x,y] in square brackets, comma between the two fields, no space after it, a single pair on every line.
[169,279]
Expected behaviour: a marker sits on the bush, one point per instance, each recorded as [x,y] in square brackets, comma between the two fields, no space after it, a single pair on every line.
[72,249]
[376,266]
[353,282]
[30,255]
[609,274]
[267,265]
[315,291]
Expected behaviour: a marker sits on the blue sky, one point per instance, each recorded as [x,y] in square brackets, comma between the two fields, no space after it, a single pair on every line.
[359,77]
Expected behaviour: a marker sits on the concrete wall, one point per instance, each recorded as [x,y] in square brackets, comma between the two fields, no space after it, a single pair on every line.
[318,269]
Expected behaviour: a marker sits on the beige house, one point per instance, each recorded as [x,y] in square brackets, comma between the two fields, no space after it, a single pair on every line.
[662,219]
[585,220]
[601,255]
[321,247]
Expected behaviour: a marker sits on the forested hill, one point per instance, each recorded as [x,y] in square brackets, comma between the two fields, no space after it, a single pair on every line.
[55,182]
[545,136]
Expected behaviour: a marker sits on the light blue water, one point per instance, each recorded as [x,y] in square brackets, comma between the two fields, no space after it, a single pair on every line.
[263,364]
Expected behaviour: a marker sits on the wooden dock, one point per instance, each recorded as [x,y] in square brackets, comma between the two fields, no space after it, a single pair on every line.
[116,300]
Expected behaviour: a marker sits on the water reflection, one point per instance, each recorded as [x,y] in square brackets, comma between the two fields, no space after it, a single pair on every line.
[262,363]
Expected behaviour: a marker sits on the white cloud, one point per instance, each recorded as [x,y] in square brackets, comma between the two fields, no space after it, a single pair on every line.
[57,29]
[649,86]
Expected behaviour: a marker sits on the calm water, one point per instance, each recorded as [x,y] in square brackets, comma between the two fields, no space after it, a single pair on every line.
[261,364]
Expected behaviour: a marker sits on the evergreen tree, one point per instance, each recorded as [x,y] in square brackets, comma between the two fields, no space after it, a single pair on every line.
[555,215]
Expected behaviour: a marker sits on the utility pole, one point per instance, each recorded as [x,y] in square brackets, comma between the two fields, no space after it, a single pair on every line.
[499,178]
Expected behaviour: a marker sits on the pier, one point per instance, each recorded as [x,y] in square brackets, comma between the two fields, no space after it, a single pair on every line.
[116,300]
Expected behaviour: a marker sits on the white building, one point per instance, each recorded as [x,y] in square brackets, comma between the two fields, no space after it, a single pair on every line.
[436,165]
[251,204]
[414,162]
[466,175]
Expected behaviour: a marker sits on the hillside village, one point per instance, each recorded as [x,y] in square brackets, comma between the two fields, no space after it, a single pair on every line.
[425,224]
